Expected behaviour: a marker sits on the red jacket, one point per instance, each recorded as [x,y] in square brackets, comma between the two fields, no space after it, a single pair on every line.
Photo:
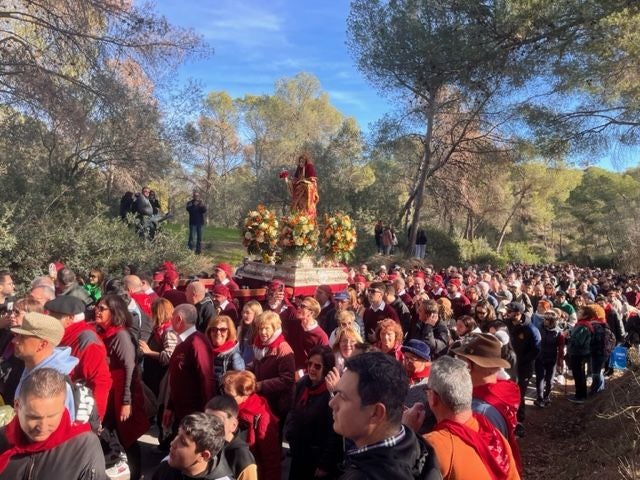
[191,376]
[144,302]
[263,435]
[92,366]
[276,374]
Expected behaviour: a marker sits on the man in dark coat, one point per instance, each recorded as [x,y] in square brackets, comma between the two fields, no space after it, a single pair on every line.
[196,209]
[367,409]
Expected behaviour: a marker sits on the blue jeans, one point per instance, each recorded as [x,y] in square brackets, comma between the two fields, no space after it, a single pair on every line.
[597,376]
[195,231]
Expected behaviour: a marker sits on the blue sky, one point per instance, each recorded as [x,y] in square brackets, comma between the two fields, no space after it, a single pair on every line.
[259,42]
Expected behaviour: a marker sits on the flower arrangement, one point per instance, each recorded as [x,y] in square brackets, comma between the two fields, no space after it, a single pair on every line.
[339,237]
[260,233]
[298,235]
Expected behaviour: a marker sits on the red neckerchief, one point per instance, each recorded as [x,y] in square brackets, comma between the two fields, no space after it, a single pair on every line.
[312,391]
[20,443]
[504,396]
[586,322]
[487,442]
[223,348]
[273,345]
[159,332]
[109,332]
[417,376]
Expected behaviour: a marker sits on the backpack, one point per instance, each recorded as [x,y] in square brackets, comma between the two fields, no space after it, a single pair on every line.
[86,411]
[603,340]
[580,341]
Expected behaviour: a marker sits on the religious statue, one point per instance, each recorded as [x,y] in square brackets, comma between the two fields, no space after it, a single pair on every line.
[304,187]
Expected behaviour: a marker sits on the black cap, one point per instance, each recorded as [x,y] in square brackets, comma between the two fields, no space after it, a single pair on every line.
[515,307]
[65,304]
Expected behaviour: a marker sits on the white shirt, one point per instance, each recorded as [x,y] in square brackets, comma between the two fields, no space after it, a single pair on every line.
[187,333]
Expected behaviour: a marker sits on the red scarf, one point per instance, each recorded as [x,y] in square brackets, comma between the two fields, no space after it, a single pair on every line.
[21,443]
[223,348]
[586,322]
[487,442]
[108,332]
[311,391]
[417,376]
[504,396]
[159,332]
[273,345]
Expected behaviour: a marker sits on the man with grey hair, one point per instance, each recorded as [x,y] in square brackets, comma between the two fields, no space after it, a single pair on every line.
[42,293]
[191,377]
[41,439]
[197,296]
[466,444]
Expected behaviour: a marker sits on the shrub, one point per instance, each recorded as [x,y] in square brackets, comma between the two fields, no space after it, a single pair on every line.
[441,249]
[83,239]
[479,252]
[519,252]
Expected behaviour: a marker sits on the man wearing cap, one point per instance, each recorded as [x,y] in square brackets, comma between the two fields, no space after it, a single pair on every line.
[168,289]
[466,444]
[224,276]
[198,296]
[515,287]
[86,346]
[460,304]
[417,365]
[66,284]
[360,284]
[525,339]
[496,399]
[276,301]
[224,306]
[35,342]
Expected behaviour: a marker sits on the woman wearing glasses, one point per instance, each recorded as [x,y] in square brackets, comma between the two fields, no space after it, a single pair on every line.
[226,353]
[315,448]
[125,410]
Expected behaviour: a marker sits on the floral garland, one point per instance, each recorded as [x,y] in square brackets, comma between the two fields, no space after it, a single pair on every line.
[260,234]
[339,237]
[298,235]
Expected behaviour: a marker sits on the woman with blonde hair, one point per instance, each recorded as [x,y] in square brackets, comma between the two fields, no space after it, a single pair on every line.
[343,346]
[221,332]
[262,428]
[247,330]
[274,363]
[389,338]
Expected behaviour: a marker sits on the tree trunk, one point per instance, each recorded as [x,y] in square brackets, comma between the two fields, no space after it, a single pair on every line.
[424,174]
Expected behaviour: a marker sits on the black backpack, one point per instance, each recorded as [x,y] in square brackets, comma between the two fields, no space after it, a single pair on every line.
[603,340]
[85,404]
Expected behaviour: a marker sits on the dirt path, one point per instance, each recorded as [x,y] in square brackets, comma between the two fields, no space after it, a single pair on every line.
[569,441]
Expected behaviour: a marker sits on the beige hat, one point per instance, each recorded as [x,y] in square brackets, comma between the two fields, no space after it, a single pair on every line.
[41,326]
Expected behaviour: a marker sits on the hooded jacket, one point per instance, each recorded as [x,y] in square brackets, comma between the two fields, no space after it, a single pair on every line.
[62,361]
[412,458]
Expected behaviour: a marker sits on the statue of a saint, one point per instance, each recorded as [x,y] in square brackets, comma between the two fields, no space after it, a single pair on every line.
[304,187]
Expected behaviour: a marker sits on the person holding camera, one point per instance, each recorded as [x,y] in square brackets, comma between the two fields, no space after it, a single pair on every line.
[196,209]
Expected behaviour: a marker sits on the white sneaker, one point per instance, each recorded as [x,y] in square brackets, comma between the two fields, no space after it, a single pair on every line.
[119,471]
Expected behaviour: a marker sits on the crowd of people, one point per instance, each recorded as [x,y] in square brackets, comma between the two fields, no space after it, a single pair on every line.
[401,375]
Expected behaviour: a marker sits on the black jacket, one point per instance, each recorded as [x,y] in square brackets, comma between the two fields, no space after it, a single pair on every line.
[218,468]
[79,458]
[309,431]
[436,336]
[411,459]
[196,212]
[206,311]
[525,339]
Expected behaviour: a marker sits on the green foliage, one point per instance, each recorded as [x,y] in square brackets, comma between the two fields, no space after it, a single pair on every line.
[478,251]
[441,249]
[83,239]
[519,252]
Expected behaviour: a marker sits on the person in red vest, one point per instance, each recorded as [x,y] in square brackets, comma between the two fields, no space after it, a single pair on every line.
[85,345]
[498,400]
